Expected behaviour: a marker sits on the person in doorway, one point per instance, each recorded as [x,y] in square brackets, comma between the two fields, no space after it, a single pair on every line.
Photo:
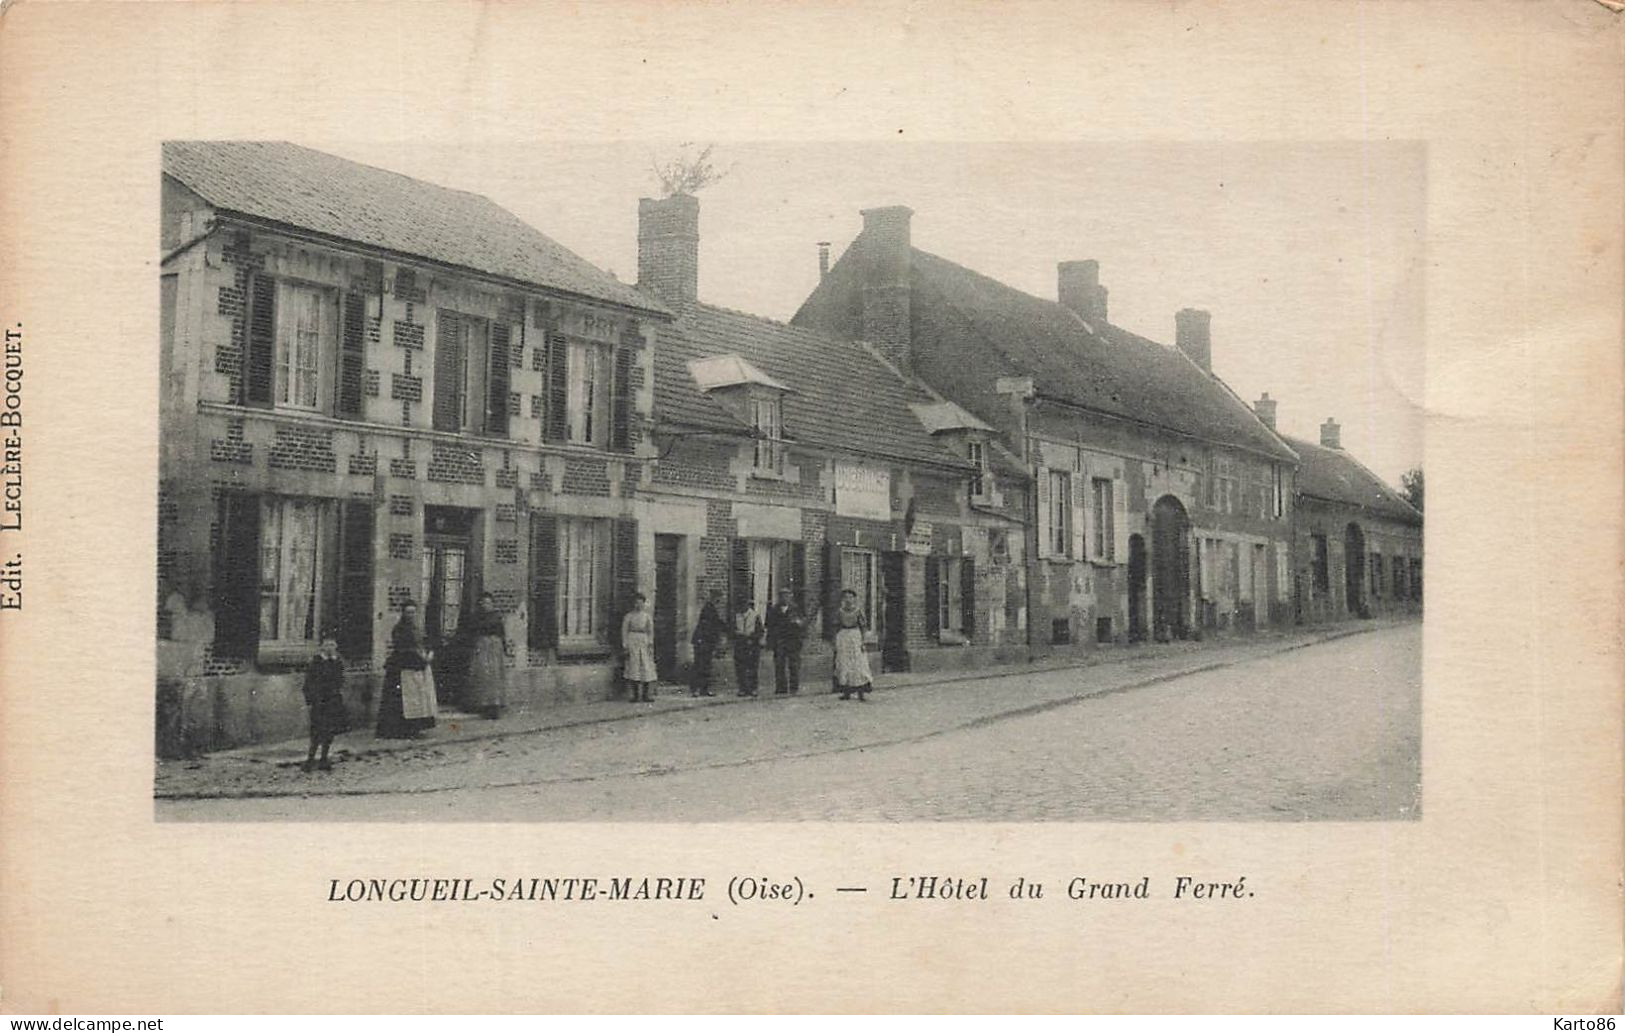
[747,646]
[486,689]
[786,625]
[708,632]
[851,663]
[638,645]
[407,658]
[324,695]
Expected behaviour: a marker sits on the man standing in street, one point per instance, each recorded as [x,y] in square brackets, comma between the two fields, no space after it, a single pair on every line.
[785,626]
[747,647]
[708,632]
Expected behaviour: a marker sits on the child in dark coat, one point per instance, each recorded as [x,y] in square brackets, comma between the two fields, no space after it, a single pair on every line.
[324,694]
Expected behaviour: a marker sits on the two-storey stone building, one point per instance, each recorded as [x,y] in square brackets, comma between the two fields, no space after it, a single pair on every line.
[792,459]
[377,389]
[1159,505]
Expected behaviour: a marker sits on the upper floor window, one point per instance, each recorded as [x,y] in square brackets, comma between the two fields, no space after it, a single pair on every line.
[304,333]
[1226,488]
[767,419]
[586,396]
[1060,513]
[470,374]
[976,452]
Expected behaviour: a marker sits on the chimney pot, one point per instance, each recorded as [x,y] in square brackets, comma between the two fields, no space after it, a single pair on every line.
[1265,408]
[1077,287]
[669,247]
[1193,336]
[1331,435]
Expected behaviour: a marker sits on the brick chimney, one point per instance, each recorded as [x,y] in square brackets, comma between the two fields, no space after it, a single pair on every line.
[1077,286]
[887,252]
[669,247]
[823,260]
[1265,408]
[1193,337]
[1331,435]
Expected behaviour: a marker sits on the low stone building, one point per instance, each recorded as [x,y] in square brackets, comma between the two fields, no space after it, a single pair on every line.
[1160,506]
[1357,544]
[377,389]
[791,459]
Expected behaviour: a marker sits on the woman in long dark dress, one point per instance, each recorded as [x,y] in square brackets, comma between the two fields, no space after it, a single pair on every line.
[486,688]
[406,653]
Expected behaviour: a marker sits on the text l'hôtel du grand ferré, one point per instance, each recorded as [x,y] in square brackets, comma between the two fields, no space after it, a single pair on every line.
[11,469]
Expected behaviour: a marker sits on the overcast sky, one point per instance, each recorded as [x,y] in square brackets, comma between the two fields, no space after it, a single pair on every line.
[1309,255]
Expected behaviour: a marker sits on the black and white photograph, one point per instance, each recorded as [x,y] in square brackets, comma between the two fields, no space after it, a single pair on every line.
[754,482]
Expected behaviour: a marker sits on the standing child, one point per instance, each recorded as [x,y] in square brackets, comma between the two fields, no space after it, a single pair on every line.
[324,695]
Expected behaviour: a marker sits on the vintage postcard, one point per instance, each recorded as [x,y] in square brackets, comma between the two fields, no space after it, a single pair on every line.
[1104,507]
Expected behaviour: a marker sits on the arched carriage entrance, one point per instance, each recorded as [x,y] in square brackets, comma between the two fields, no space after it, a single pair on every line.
[1170,569]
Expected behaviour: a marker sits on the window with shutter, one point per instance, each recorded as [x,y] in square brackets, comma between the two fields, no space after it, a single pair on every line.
[557,423]
[355,579]
[830,586]
[741,585]
[584,581]
[352,357]
[967,597]
[623,564]
[497,379]
[934,602]
[1046,534]
[543,631]
[798,574]
[620,434]
[449,362]
[260,361]
[1119,532]
[236,576]
[1078,517]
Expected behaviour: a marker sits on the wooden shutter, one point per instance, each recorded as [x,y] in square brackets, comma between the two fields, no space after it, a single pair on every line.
[558,389]
[798,575]
[354,617]
[739,579]
[1041,490]
[543,631]
[620,425]
[448,371]
[933,602]
[352,355]
[967,597]
[237,576]
[259,359]
[497,378]
[623,573]
[1119,520]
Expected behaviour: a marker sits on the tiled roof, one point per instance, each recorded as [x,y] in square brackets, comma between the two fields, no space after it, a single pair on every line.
[1334,475]
[337,198]
[843,397]
[945,415]
[1100,367]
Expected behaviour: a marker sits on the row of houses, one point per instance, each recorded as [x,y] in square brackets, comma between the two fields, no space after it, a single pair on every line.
[376,389]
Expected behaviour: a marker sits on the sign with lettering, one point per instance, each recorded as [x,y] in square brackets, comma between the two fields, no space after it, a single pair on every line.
[862,491]
[919,539]
[596,326]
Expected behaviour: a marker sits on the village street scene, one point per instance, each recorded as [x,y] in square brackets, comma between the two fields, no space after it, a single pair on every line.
[455,524]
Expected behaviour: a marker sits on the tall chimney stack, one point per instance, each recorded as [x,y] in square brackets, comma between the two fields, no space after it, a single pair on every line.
[669,248]
[888,258]
[823,260]
[1192,335]
[1331,435]
[1077,287]
[1265,408]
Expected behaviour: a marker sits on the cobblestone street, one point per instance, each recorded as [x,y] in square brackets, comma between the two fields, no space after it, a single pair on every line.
[1286,728]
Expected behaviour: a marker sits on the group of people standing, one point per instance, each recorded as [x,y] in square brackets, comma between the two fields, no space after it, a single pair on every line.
[409,705]
[783,629]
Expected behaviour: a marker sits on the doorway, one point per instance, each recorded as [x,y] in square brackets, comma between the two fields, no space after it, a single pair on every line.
[1171,569]
[1136,588]
[1354,569]
[450,583]
[894,609]
[668,548]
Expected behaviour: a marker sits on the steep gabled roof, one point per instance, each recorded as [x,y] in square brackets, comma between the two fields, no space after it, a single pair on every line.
[1100,367]
[1335,476]
[842,397]
[278,182]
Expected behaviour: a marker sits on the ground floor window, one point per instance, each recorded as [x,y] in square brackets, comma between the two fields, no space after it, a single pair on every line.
[1376,575]
[1320,568]
[772,570]
[859,574]
[291,561]
[583,580]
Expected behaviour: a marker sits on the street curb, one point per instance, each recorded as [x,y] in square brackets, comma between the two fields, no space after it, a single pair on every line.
[978,722]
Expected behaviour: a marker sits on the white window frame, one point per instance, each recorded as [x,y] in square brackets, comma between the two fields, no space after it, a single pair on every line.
[868,594]
[976,452]
[302,351]
[278,570]
[1060,515]
[767,418]
[950,611]
[583,601]
[1102,535]
[769,569]
[585,394]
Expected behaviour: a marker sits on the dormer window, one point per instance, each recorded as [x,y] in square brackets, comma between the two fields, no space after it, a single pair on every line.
[976,452]
[767,416]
